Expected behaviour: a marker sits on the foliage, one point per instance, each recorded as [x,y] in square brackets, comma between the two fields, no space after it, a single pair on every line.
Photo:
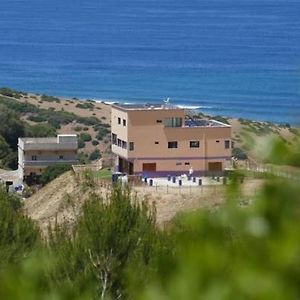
[86,137]
[40,130]
[86,105]
[108,237]
[95,154]
[95,142]
[78,128]
[81,143]
[52,172]
[239,154]
[104,173]
[18,234]
[4,148]
[10,93]
[82,158]
[50,99]
[102,132]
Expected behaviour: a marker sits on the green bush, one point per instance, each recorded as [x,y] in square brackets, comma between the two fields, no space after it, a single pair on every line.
[81,143]
[10,93]
[40,130]
[83,158]
[102,133]
[52,172]
[78,128]
[95,155]
[86,105]
[37,118]
[239,154]
[95,142]
[49,98]
[18,234]
[86,137]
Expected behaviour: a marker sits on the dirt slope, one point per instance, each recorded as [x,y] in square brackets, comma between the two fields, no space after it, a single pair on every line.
[60,200]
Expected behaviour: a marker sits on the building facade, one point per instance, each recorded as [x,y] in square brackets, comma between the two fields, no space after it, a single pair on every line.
[35,154]
[158,140]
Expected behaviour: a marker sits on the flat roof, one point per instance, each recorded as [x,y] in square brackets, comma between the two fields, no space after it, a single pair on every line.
[146,106]
[39,140]
[50,140]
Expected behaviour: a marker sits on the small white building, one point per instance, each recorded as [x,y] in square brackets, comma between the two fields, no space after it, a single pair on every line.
[36,154]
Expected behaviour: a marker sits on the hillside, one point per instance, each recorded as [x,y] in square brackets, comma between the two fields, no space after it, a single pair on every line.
[60,200]
[40,116]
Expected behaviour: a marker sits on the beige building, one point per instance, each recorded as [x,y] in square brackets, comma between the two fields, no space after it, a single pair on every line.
[158,140]
[35,154]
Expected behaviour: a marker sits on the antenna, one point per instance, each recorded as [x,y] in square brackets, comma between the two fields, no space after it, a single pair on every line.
[167,101]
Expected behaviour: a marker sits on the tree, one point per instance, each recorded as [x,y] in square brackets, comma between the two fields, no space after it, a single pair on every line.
[52,172]
[107,239]
[18,234]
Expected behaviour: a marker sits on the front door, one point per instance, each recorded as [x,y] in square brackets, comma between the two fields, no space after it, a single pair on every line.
[149,167]
[215,166]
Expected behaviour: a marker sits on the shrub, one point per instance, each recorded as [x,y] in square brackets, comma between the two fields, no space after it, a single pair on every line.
[37,118]
[40,130]
[102,132]
[10,93]
[81,143]
[239,154]
[78,128]
[19,235]
[95,155]
[83,158]
[52,172]
[85,137]
[86,105]
[95,142]
[49,98]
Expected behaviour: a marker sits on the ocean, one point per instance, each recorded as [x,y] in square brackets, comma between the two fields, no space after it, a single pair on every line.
[226,57]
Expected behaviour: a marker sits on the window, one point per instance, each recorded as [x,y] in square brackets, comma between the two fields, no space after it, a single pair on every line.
[194,144]
[178,164]
[232,145]
[119,120]
[217,141]
[119,143]
[173,122]
[114,139]
[124,122]
[131,146]
[158,121]
[61,157]
[186,163]
[33,157]
[124,145]
[172,144]
[227,144]
[156,143]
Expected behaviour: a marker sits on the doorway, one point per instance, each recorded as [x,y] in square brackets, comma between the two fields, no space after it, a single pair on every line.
[215,166]
[149,167]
